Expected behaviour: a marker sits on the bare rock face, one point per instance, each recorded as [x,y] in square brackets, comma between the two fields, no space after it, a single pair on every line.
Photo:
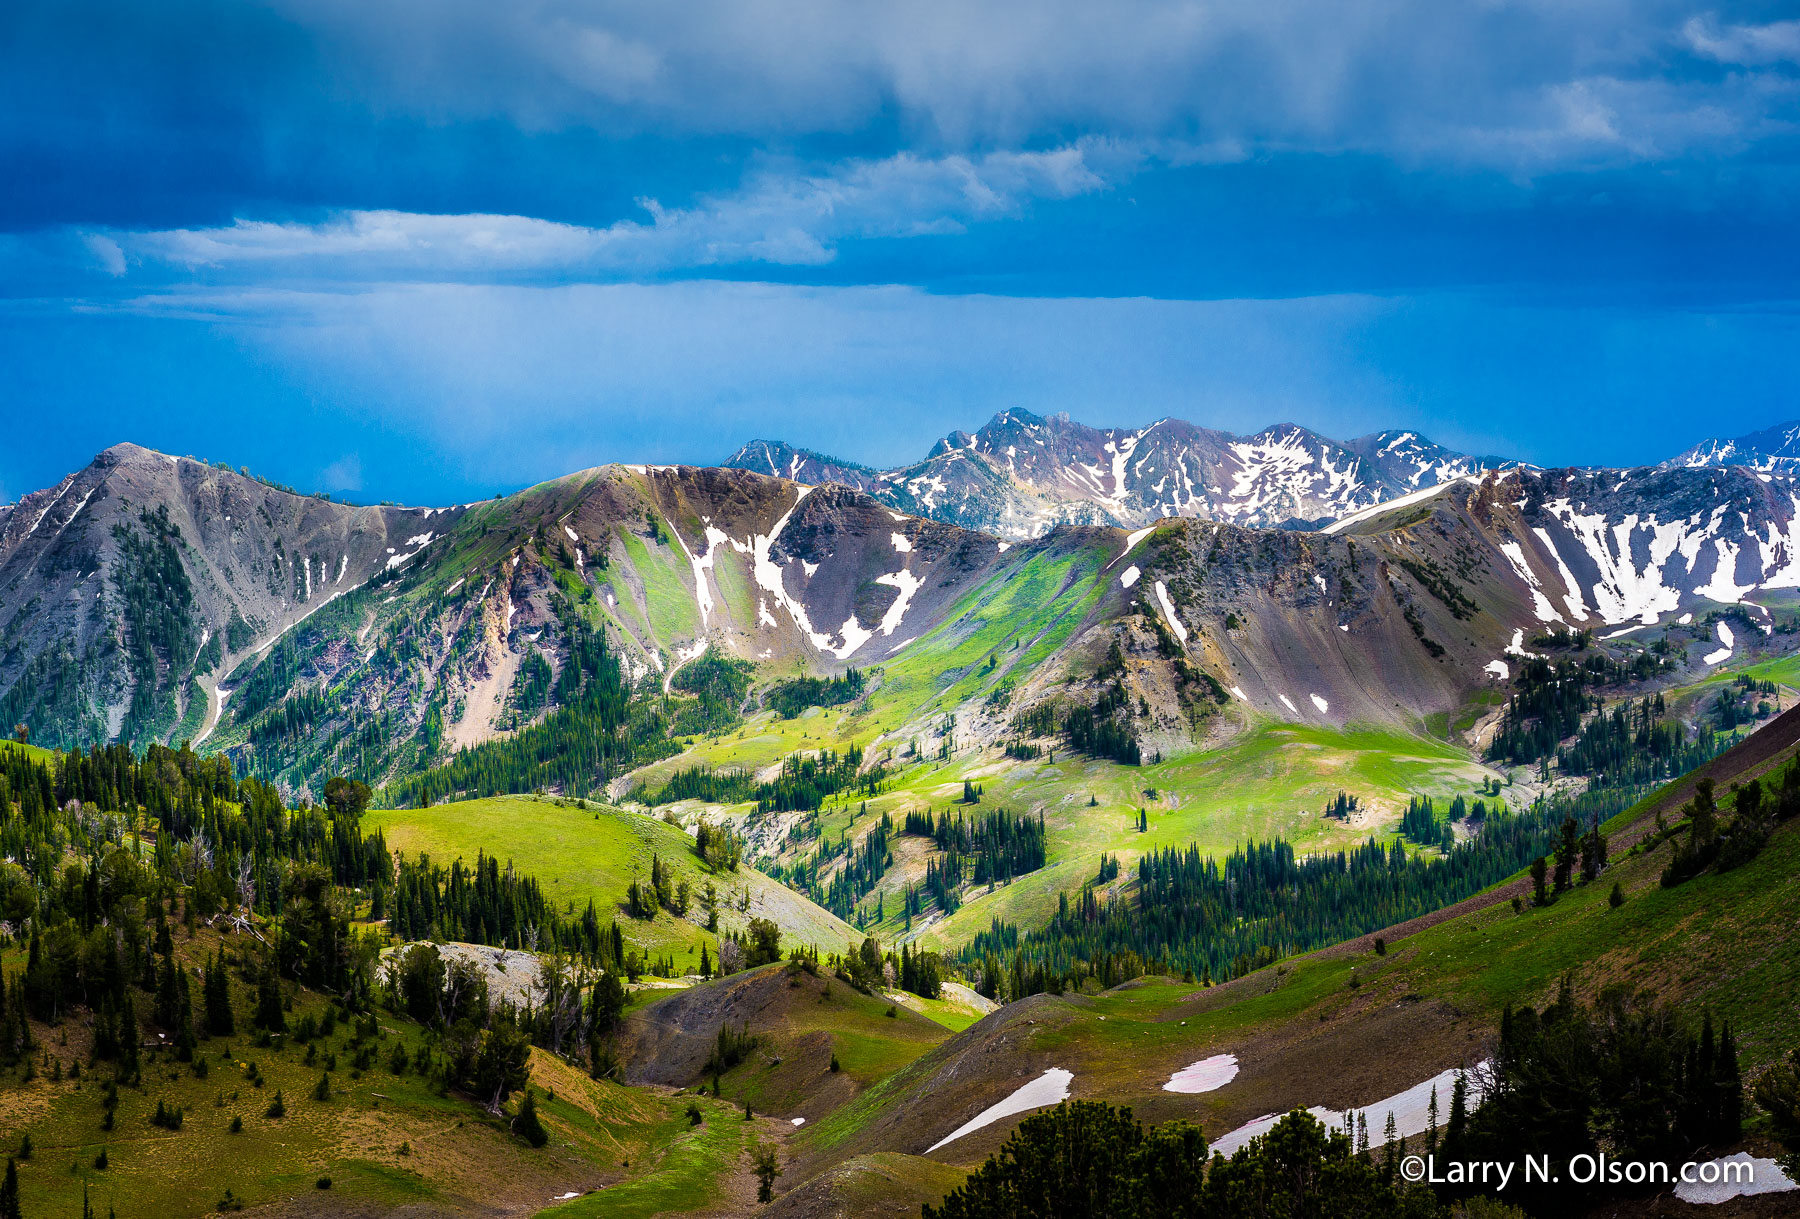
[781,460]
[131,586]
[1413,607]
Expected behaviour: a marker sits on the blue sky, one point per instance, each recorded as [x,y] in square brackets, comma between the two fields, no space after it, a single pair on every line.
[431,249]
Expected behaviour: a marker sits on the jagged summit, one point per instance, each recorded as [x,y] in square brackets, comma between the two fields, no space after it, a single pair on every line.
[133,584]
[1021,474]
[1775,449]
[781,460]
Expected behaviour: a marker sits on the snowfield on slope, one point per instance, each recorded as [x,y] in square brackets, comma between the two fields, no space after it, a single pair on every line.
[1050,1088]
[1207,1075]
[1410,1108]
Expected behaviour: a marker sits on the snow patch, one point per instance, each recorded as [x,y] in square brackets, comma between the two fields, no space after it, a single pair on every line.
[900,542]
[1357,517]
[1540,604]
[1517,646]
[1723,585]
[1572,590]
[571,534]
[1238,693]
[1724,653]
[1289,703]
[62,489]
[769,576]
[1498,670]
[1168,609]
[1320,703]
[1765,1177]
[1130,576]
[77,511]
[908,584]
[702,563]
[1409,1108]
[854,636]
[1050,1088]
[1207,1075]
[454,587]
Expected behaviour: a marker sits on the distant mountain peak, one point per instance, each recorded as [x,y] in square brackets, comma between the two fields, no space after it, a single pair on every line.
[1021,474]
[783,460]
[1773,448]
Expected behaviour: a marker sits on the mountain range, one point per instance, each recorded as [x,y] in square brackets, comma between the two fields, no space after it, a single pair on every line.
[1775,450]
[152,597]
[978,750]
[1022,474]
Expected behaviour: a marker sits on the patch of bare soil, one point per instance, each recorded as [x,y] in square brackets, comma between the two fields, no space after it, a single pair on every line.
[496,669]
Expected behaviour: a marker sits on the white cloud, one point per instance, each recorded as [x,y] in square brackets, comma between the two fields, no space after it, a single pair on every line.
[106,253]
[1744,44]
[779,217]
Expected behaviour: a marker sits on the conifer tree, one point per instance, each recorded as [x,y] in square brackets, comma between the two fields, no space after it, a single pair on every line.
[128,1039]
[1728,1089]
[1568,848]
[217,987]
[1457,1130]
[9,1192]
[269,1014]
[527,1125]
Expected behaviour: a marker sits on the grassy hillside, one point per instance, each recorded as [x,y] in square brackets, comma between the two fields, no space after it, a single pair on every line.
[1267,780]
[803,1020]
[1324,1029]
[384,1140]
[594,852]
[34,752]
